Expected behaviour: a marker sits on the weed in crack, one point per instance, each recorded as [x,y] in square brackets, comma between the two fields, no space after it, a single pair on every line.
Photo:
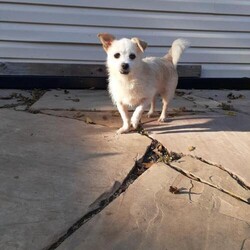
[24,100]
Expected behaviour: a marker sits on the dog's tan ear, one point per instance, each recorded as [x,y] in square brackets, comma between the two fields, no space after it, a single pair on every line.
[106,40]
[142,45]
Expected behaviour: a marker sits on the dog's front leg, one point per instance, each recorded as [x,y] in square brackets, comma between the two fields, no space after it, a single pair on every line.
[123,110]
[135,119]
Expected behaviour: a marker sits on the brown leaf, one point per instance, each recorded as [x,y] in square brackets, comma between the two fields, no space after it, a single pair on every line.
[174,190]
[191,148]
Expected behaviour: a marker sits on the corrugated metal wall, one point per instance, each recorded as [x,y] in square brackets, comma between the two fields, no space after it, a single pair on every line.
[65,31]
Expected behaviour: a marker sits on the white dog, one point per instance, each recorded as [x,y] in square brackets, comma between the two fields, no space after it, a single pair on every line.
[135,81]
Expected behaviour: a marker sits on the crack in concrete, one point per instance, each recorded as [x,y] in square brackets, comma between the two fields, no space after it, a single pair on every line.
[146,161]
[166,157]
[243,243]
[196,178]
[83,118]
[234,176]
[190,191]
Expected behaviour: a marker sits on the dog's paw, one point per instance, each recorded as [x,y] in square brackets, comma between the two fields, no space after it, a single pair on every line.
[122,130]
[162,119]
[134,123]
[150,114]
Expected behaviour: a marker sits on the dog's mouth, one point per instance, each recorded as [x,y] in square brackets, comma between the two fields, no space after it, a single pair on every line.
[124,72]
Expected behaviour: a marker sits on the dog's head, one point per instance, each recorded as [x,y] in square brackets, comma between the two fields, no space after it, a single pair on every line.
[124,55]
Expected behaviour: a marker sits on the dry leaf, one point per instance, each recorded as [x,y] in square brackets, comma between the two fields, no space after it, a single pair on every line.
[191,148]
[88,120]
[231,96]
[147,164]
[174,190]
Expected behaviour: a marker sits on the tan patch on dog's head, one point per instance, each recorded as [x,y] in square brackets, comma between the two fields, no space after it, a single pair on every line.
[142,45]
[106,40]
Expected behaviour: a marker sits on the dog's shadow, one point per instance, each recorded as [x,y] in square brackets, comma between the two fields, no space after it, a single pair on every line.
[198,122]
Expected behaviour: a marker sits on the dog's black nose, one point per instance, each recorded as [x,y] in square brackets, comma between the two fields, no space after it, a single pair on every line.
[125,66]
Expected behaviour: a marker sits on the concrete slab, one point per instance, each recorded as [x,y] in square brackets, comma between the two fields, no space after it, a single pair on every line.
[233,99]
[96,100]
[147,216]
[219,138]
[51,170]
[92,100]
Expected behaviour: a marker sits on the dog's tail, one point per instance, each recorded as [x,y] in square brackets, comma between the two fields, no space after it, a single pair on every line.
[178,47]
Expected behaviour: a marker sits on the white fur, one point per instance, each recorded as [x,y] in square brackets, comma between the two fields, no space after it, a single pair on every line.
[177,49]
[147,78]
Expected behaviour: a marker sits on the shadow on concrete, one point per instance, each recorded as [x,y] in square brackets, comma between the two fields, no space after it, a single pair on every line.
[209,122]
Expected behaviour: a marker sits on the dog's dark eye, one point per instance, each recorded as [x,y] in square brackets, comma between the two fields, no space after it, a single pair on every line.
[117,55]
[132,56]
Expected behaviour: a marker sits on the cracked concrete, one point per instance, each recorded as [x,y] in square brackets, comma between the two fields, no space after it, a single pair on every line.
[148,216]
[67,182]
[52,170]
[218,138]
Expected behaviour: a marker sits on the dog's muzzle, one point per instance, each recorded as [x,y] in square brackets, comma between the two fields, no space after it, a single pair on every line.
[124,68]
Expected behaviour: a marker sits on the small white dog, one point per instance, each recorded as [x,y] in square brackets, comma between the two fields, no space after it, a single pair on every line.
[135,81]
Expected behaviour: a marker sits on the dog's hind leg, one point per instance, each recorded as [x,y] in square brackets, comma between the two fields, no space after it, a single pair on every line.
[123,110]
[167,96]
[152,107]
[163,116]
